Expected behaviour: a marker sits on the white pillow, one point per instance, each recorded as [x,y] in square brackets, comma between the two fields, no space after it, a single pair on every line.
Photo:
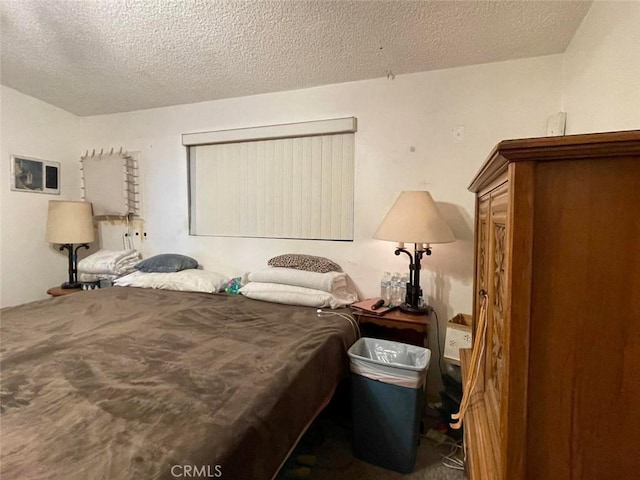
[293,295]
[190,280]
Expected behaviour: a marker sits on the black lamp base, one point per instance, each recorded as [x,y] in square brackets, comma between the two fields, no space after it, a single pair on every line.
[413,299]
[73,265]
[415,310]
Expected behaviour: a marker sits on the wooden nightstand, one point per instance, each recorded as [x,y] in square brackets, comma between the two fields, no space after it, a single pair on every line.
[395,325]
[59,291]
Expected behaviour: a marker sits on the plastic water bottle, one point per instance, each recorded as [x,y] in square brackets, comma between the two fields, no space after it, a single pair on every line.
[403,287]
[385,287]
[395,289]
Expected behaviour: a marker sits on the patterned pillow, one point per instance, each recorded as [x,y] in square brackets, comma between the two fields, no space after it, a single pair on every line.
[309,263]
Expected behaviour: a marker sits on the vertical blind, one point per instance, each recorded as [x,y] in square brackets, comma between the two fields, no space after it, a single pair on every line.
[299,187]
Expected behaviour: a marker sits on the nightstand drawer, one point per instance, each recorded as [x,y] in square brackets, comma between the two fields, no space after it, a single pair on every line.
[395,325]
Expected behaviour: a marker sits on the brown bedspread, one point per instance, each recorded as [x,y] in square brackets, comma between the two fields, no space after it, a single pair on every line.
[126,383]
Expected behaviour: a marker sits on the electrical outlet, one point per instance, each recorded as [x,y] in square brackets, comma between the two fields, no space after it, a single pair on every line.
[457,134]
[556,124]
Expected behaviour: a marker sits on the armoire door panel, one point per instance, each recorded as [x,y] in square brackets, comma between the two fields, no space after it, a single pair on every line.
[497,290]
[482,248]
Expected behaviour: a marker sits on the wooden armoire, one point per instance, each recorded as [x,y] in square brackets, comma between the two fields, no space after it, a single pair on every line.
[557,395]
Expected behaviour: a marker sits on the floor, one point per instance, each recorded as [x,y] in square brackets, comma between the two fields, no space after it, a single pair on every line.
[325,453]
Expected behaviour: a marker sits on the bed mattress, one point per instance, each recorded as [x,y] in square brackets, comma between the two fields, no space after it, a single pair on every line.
[126,383]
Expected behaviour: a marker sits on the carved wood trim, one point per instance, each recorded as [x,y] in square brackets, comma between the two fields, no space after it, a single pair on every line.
[570,147]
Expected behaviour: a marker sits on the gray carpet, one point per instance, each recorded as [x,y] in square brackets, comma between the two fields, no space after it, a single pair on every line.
[329,441]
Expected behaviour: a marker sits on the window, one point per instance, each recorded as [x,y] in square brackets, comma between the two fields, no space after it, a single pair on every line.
[280,181]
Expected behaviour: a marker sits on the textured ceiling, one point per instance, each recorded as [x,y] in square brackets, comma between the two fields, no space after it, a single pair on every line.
[105,56]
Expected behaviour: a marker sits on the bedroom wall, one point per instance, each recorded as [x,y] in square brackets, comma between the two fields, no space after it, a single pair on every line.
[29,265]
[405,140]
[601,70]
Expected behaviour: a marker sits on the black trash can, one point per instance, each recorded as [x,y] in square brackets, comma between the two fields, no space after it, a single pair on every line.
[387,387]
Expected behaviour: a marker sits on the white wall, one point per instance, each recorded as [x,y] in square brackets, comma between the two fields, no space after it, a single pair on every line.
[404,141]
[413,112]
[29,265]
[601,74]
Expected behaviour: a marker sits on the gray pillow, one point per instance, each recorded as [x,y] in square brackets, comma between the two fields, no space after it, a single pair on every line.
[165,263]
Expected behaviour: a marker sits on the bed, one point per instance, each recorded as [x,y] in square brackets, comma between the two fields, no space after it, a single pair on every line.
[129,383]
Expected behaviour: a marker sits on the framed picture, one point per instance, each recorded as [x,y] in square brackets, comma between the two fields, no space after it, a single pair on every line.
[33,175]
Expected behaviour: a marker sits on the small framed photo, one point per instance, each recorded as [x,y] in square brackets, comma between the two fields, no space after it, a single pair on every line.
[34,175]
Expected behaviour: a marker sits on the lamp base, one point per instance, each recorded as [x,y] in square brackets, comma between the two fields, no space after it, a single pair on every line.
[415,310]
[70,285]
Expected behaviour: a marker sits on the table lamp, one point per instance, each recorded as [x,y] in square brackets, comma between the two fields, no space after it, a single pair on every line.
[68,224]
[414,218]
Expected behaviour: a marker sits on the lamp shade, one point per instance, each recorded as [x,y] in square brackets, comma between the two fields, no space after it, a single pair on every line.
[69,222]
[414,218]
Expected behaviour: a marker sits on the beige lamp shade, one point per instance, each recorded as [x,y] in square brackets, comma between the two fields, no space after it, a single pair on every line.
[414,218]
[69,222]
